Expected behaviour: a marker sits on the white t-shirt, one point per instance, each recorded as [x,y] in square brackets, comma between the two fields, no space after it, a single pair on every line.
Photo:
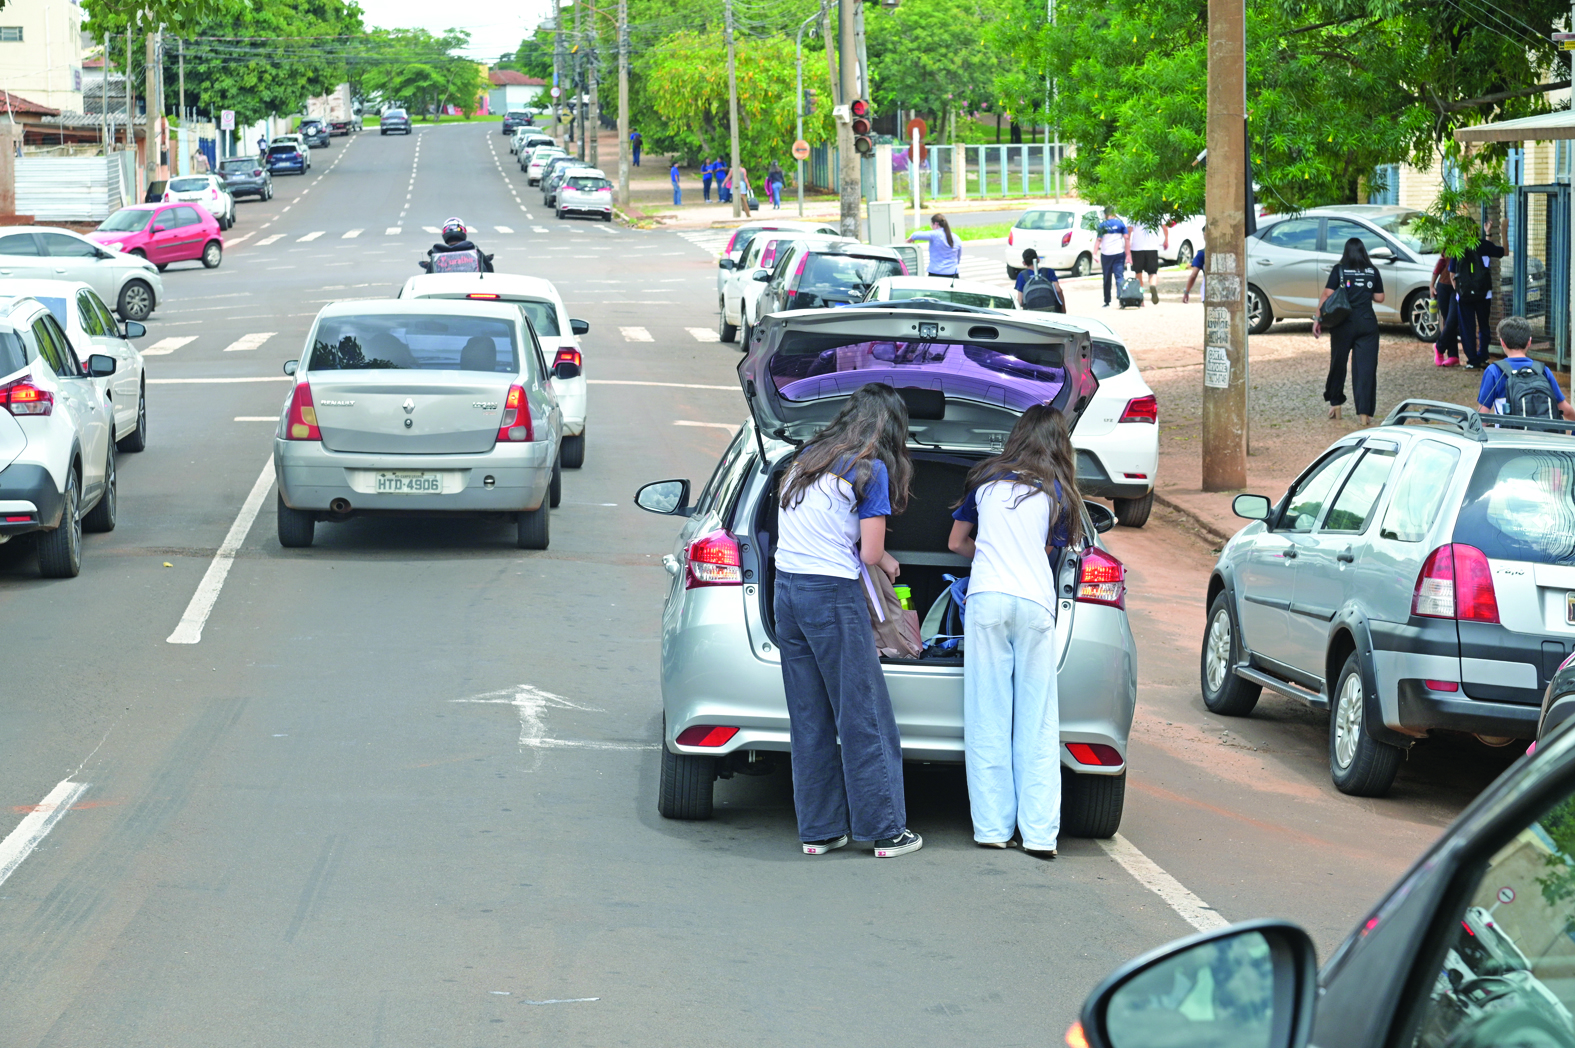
[1146,238]
[1009,544]
[820,535]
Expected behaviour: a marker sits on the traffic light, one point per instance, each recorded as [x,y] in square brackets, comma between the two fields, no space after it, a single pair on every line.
[863,132]
[809,101]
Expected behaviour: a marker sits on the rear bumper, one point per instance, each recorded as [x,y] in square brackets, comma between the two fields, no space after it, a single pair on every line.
[30,489]
[1118,465]
[1407,655]
[311,478]
[242,189]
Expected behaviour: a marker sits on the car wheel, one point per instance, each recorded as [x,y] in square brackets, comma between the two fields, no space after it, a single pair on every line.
[1224,692]
[135,302]
[1184,253]
[295,526]
[532,529]
[138,440]
[102,516]
[138,252]
[1359,764]
[745,334]
[1091,805]
[60,551]
[559,212]
[1133,513]
[1259,315]
[1419,314]
[555,486]
[1011,272]
[212,254]
[268,193]
[382,132]
[686,786]
[573,454]
[727,332]
[1083,266]
[607,217]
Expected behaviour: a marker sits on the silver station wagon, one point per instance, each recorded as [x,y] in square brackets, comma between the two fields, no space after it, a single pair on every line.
[1418,577]
[966,377]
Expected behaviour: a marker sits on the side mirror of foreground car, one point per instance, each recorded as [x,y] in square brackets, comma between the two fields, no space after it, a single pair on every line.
[566,369]
[133,329]
[667,497]
[1100,514]
[579,327]
[101,365]
[1251,507]
[290,366]
[725,263]
[1251,985]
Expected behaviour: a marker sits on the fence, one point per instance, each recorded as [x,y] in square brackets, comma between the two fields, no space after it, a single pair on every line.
[1022,170]
[75,189]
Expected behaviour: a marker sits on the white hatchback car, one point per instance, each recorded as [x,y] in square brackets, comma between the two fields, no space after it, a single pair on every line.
[1117,437]
[538,160]
[941,289]
[586,191]
[418,407]
[129,282]
[1063,234]
[743,235]
[558,332]
[207,190]
[741,285]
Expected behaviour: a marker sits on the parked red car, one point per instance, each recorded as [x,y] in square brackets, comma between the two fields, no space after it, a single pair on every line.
[163,233]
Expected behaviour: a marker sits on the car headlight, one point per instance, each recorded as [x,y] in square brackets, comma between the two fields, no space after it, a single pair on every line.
[116,246]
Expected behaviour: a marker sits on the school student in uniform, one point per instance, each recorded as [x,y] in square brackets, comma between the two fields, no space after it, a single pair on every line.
[1357,337]
[831,530]
[1115,246]
[1020,506]
[705,181]
[1473,277]
[945,246]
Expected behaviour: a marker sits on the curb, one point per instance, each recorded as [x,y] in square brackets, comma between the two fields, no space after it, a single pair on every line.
[1211,530]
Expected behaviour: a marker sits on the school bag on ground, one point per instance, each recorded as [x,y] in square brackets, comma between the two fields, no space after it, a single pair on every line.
[1043,294]
[1526,389]
[1129,292]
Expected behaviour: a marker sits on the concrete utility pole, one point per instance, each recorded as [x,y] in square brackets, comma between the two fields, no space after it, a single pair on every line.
[579,82]
[594,119]
[557,72]
[104,116]
[732,109]
[799,106]
[1224,282]
[848,165]
[181,50]
[623,103]
[154,92]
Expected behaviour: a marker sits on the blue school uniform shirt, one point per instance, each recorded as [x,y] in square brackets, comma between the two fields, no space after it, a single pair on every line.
[1494,383]
[1027,274]
[1010,540]
[1112,237]
[820,535]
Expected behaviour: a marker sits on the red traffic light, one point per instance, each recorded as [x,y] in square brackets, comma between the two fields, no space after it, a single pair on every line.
[860,107]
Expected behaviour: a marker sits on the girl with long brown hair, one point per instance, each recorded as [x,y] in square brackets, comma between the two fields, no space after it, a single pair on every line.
[945,246]
[1020,506]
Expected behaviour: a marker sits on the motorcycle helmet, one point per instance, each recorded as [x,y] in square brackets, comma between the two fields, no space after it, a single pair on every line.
[453,231]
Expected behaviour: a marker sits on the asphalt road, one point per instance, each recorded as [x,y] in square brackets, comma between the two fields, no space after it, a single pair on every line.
[403,790]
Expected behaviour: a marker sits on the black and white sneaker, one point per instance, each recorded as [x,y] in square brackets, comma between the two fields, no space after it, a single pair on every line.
[1039,853]
[905,842]
[822,847]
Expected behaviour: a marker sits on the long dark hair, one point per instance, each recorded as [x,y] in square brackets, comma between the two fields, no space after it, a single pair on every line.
[1355,256]
[946,227]
[1039,451]
[872,425]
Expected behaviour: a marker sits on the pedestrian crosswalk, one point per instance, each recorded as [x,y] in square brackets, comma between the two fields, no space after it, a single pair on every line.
[711,241]
[635,334]
[166,346]
[247,342]
[581,229]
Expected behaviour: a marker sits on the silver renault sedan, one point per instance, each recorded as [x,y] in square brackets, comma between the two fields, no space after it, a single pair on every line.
[966,376]
[418,406]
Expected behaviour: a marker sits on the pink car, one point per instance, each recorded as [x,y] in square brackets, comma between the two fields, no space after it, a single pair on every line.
[163,233]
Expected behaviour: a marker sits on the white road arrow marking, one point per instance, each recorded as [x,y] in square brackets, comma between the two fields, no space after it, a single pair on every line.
[533,704]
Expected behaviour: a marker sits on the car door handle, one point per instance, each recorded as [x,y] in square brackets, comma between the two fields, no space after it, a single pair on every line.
[1263,261]
[1346,555]
[1290,553]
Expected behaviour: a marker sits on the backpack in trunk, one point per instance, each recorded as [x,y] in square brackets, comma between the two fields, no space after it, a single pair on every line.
[1042,293]
[1526,389]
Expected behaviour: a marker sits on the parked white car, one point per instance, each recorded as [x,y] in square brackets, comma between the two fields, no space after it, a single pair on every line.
[207,190]
[1186,240]
[941,289]
[558,332]
[586,191]
[538,160]
[741,285]
[1062,234]
[131,283]
[1117,437]
[739,242]
[57,461]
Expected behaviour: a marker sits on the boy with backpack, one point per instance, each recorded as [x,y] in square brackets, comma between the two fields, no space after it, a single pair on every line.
[1518,385]
[1039,289]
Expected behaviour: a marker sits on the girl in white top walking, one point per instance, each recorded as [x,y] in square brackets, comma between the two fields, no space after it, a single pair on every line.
[1021,505]
[945,246]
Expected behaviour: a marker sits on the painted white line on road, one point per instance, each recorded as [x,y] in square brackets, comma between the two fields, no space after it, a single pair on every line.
[222,381]
[189,630]
[731,427]
[704,334]
[619,382]
[392,231]
[540,229]
[246,342]
[636,334]
[352,234]
[503,229]
[36,824]
[257,418]
[430,229]
[532,704]
[1150,875]
[236,240]
[313,235]
[265,241]
[166,346]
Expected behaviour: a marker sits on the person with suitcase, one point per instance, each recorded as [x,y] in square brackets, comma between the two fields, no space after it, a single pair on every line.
[1518,385]
[1146,244]
[1115,247]
[1356,336]
[1038,288]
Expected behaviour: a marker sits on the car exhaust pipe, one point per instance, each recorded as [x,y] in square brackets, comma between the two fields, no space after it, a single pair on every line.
[340,506]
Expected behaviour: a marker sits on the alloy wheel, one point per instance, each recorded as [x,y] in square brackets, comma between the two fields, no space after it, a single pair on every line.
[1217,655]
[1424,324]
[1348,720]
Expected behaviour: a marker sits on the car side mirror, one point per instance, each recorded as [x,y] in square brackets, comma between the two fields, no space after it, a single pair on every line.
[566,369]
[1251,985]
[1101,515]
[101,254]
[1251,507]
[101,365]
[290,366]
[133,329]
[726,263]
[667,497]
[579,327]
[1381,254]
[158,229]
[761,275]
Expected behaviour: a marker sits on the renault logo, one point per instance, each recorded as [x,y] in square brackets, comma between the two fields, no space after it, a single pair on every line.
[410,405]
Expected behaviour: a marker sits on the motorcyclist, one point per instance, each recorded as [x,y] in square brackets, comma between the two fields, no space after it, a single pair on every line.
[461,256]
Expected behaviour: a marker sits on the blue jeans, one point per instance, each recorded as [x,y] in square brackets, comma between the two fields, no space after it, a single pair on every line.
[775,189]
[835,688]
[705,188]
[678,194]
[1012,720]
[1113,266]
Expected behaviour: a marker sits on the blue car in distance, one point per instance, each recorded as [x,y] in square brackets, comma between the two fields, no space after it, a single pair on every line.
[284,157]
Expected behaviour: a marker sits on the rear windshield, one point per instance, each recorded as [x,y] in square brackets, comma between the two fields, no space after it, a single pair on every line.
[846,271]
[1045,220]
[812,367]
[237,164]
[589,184]
[1521,506]
[543,315]
[962,298]
[126,220]
[188,185]
[1110,358]
[429,343]
[396,113]
[285,150]
[12,356]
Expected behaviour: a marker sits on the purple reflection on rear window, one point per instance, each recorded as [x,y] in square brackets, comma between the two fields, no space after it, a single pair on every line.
[1017,380]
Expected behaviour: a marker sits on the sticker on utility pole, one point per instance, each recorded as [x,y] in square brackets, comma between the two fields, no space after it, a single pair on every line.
[1216,367]
[1216,326]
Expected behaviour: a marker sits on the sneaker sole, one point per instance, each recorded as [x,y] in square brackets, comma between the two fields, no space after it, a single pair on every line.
[891,853]
[822,849]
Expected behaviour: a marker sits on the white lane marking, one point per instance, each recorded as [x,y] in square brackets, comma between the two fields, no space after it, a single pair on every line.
[563,1000]
[236,240]
[430,229]
[252,341]
[704,334]
[540,229]
[189,630]
[1150,875]
[392,231]
[352,234]
[166,346]
[257,418]
[265,241]
[503,229]
[313,235]
[636,334]
[532,704]
[612,382]
[214,381]
[731,427]
[36,824]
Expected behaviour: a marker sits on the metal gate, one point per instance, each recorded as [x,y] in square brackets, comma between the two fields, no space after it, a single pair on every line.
[1539,243]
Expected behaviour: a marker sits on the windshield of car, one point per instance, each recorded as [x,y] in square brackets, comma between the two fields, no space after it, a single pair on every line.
[394,113]
[126,220]
[962,298]
[589,184]
[188,185]
[57,306]
[430,343]
[832,276]
[1046,220]
[1110,358]
[1521,506]
[1402,227]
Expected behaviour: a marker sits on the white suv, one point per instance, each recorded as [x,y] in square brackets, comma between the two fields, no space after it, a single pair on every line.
[207,190]
[57,461]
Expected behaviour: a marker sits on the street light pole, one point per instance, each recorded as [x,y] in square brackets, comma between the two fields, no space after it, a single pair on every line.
[732,110]
[1224,284]
[623,104]
[799,50]
[848,160]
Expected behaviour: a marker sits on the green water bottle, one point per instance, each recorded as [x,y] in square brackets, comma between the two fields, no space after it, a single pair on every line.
[904,597]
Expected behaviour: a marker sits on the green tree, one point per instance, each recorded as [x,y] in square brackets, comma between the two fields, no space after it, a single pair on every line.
[534,55]
[414,68]
[934,57]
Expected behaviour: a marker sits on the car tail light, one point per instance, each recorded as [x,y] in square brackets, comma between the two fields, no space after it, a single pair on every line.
[568,355]
[23,398]
[1441,685]
[705,735]
[484,295]
[1103,579]
[257,173]
[798,272]
[1096,753]
[516,426]
[1455,583]
[1011,237]
[302,423]
[19,518]
[1142,409]
[213,192]
[166,197]
[1066,238]
[714,561]
[730,242]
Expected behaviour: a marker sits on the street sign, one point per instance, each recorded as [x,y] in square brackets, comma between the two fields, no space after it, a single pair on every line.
[801,150]
[226,120]
[1506,895]
[555,92]
[918,124]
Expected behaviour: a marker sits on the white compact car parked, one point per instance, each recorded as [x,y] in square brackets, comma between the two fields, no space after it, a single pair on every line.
[1117,437]
[207,190]
[585,192]
[1063,234]
[558,333]
[741,285]
[538,160]
[418,406]
[941,289]
[742,236]
[526,138]
[57,461]
[130,282]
